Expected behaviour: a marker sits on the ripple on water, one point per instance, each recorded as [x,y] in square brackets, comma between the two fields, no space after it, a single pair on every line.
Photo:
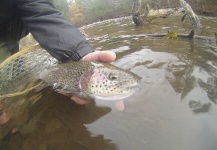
[174,109]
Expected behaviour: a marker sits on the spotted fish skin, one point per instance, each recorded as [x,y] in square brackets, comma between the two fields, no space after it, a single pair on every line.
[91,80]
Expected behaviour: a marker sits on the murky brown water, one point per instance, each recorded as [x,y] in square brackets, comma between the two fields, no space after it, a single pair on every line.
[174,109]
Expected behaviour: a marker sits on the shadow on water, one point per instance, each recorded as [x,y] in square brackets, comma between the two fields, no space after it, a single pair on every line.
[174,109]
[52,121]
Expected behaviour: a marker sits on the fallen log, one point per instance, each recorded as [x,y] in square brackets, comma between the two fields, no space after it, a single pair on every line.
[189,36]
[151,14]
[195,22]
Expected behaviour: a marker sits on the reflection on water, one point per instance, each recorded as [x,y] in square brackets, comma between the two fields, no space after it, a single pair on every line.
[197,107]
[55,122]
[174,109]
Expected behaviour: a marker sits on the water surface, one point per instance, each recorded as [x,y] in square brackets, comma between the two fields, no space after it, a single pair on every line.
[174,109]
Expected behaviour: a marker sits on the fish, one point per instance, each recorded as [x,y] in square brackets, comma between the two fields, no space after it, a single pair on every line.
[91,80]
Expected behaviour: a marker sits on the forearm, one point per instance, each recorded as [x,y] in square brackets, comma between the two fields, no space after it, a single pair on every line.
[61,39]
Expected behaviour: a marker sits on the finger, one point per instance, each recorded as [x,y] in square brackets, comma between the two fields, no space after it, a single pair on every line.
[106,56]
[102,56]
[66,94]
[63,93]
[5,116]
[119,105]
[77,100]
[80,101]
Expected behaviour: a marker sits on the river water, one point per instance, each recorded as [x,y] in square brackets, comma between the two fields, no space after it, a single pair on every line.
[174,109]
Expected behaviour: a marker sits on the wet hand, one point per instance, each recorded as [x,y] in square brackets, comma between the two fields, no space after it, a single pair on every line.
[101,56]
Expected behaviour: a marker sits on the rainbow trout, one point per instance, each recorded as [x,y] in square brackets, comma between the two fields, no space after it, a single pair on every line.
[83,79]
[91,80]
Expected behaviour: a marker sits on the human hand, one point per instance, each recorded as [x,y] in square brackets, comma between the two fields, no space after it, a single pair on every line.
[101,56]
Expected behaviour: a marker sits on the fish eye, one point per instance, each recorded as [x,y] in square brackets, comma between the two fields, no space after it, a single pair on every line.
[113,76]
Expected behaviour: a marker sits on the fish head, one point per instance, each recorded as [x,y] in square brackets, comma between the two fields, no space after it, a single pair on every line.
[109,83]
